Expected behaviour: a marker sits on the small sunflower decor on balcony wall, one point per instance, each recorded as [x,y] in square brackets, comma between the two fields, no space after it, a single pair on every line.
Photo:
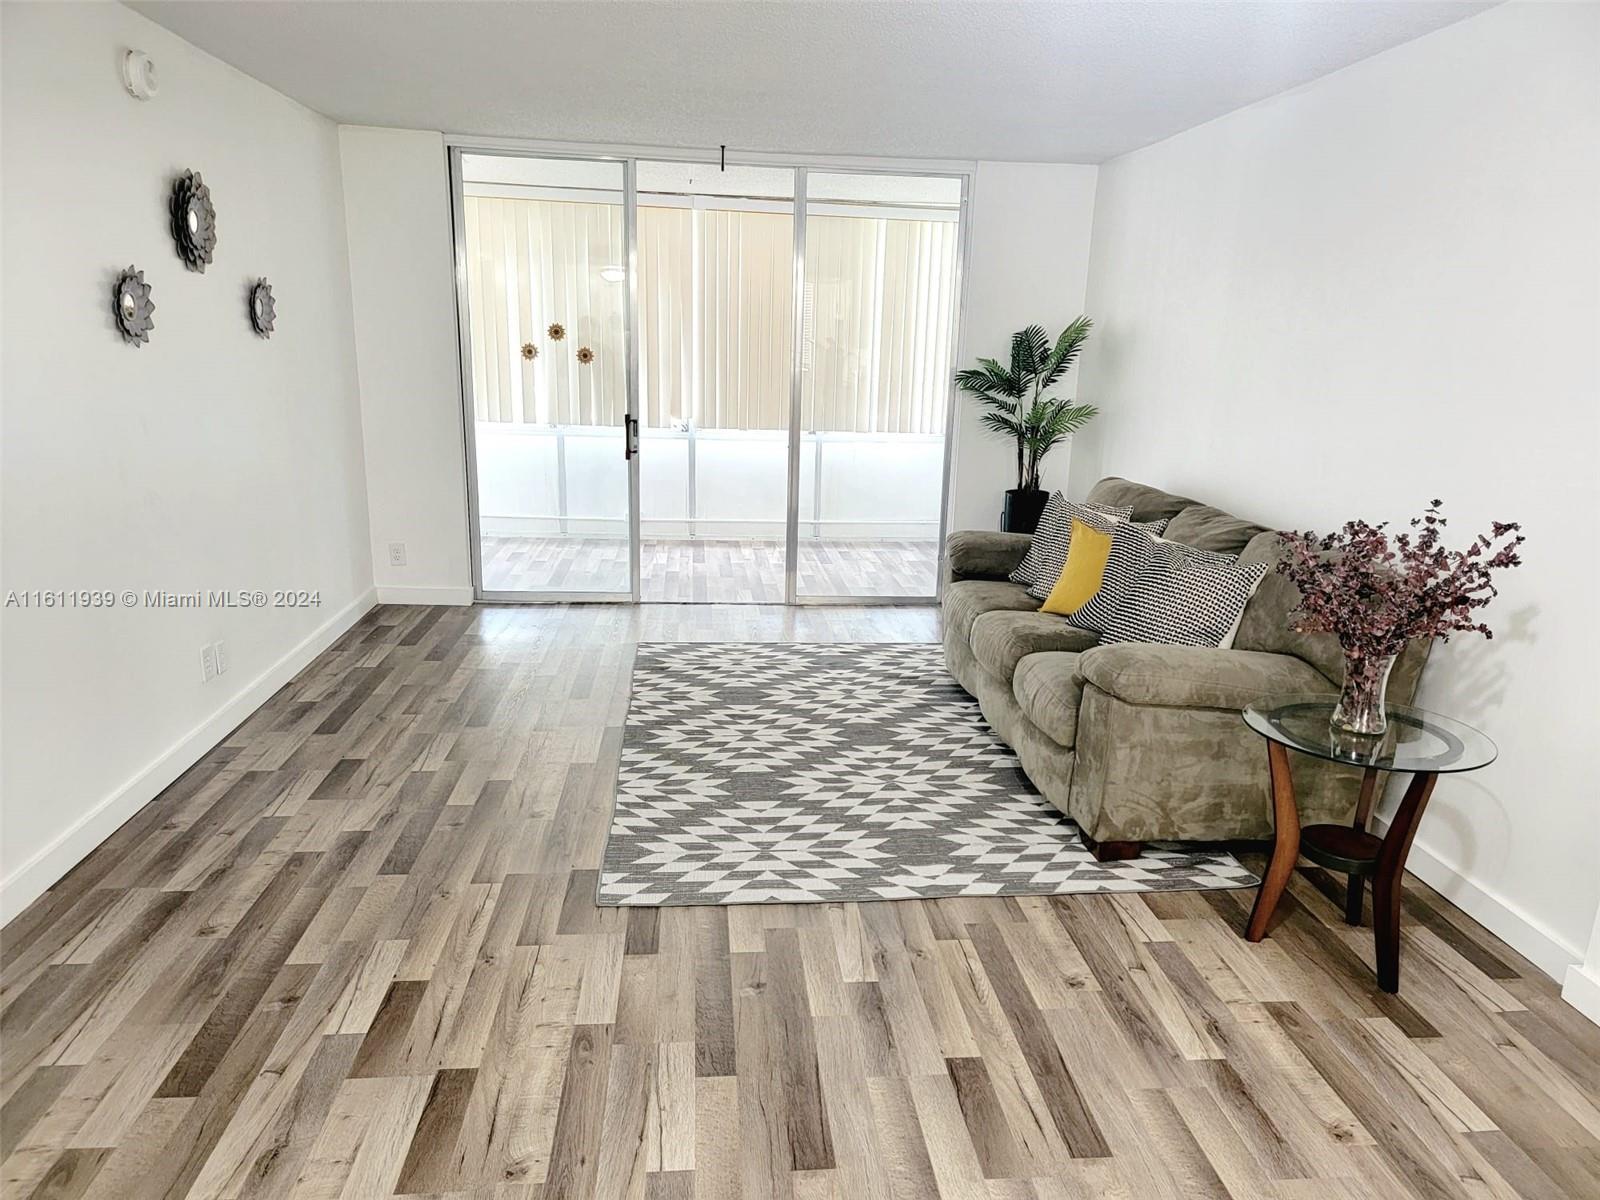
[194,221]
[585,355]
[529,351]
[557,331]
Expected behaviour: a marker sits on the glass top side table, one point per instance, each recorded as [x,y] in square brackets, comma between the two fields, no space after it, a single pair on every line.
[1422,743]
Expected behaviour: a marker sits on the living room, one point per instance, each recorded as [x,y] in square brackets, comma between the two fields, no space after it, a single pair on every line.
[805,599]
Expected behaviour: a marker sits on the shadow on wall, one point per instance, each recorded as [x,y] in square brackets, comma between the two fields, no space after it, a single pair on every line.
[1477,672]
[1467,677]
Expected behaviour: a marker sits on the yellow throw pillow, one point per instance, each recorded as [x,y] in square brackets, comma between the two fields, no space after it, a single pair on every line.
[1087,551]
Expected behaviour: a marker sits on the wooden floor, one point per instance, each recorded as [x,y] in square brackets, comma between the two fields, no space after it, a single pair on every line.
[711,570]
[354,952]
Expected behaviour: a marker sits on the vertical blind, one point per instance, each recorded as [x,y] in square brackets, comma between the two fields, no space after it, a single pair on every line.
[715,316]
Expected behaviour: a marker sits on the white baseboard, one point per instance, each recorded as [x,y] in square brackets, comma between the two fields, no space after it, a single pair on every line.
[391,594]
[39,873]
[1525,934]
[1582,991]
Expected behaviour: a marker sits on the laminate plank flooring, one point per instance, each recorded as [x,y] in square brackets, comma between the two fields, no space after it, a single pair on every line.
[354,952]
[711,570]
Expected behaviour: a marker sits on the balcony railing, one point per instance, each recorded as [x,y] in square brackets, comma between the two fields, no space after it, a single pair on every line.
[571,480]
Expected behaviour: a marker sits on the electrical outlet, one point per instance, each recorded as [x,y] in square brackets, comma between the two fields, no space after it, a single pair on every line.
[208,663]
[397,554]
[219,652]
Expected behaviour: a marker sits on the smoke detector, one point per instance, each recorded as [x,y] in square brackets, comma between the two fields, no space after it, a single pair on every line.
[139,75]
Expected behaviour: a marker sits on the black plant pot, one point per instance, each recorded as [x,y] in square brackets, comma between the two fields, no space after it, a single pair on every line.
[1023,506]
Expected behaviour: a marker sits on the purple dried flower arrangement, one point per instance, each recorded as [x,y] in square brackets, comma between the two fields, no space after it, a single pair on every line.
[1375,593]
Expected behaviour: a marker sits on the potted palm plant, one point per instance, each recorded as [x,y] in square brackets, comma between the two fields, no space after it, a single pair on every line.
[1016,406]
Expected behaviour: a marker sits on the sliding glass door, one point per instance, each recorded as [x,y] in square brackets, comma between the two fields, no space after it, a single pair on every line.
[716,348]
[881,255]
[694,383]
[543,270]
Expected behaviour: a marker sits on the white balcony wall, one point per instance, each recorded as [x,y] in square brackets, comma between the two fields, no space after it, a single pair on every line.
[543,480]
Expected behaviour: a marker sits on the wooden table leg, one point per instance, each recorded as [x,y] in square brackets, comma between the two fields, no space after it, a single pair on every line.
[1386,878]
[1286,844]
[1354,891]
[1353,895]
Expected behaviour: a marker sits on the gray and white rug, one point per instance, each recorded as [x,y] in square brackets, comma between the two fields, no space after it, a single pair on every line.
[791,773]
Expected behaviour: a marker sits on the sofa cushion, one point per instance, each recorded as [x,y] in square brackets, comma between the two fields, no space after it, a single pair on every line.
[1147,503]
[1266,621]
[968,599]
[1052,540]
[1002,639]
[1132,551]
[984,554]
[1047,688]
[1210,528]
[1084,571]
[1196,676]
[1184,597]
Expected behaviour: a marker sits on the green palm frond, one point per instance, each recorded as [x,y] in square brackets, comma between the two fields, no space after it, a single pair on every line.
[1002,423]
[1066,351]
[1029,348]
[1000,374]
[990,380]
[1047,425]
[1063,418]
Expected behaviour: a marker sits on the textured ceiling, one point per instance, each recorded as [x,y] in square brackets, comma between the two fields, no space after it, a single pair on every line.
[1055,82]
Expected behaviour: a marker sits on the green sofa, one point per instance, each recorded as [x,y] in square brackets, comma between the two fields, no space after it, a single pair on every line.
[1137,742]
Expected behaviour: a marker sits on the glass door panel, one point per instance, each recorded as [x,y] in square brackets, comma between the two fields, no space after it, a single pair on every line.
[881,266]
[716,261]
[546,299]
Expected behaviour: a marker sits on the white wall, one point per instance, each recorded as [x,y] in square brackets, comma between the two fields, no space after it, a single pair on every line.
[397,199]
[208,459]
[1029,262]
[1375,290]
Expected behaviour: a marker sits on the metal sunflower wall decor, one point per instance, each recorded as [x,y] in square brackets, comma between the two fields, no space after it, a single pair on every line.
[132,307]
[194,220]
[585,355]
[557,331]
[263,308]
[530,351]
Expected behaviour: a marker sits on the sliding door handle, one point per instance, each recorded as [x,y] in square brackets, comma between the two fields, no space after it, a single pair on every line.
[630,436]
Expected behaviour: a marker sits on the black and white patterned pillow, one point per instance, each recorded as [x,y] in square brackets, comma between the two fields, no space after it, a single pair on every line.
[1041,566]
[1133,545]
[1182,596]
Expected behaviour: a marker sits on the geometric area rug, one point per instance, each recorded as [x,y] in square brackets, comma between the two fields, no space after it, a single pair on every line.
[759,773]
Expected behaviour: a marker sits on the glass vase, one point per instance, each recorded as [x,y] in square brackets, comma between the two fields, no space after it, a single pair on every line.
[1360,707]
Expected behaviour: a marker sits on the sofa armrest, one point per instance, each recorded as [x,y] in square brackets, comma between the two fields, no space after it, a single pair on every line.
[981,554]
[1196,676]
